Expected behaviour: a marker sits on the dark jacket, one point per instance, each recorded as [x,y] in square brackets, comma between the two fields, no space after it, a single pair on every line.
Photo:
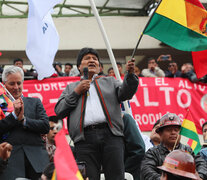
[26,140]
[190,75]
[169,74]
[155,157]
[134,147]
[3,165]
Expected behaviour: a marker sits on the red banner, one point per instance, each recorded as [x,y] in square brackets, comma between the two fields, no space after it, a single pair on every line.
[154,98]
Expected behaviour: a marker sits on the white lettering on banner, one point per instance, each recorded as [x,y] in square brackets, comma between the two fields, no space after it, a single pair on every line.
[187,86]
[167,94]
[137,117]
[36,87]
[146,99]
[25,90]
[202,120]
[62,86]
[50,86]
[202,88]
[179,98]
[38,95]
[141,83]
[46,87]
[147,119]
[54,86]
[53,100]
[181,84]
[135,100]
[195,86]
[160,82]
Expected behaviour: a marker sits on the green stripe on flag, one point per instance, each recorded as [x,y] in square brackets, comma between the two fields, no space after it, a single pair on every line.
[192,135]
[175,35]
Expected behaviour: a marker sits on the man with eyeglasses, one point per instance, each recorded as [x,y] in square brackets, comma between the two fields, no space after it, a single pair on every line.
[169,131]
[173,70]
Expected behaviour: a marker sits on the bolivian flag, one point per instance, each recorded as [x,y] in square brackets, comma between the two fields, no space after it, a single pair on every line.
[188,129]
[180,24]
[65,164]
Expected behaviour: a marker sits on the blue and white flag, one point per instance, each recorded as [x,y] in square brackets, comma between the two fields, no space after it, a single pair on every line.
[42,36]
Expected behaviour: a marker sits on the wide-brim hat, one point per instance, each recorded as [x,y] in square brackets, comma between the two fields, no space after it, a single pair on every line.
[180,163]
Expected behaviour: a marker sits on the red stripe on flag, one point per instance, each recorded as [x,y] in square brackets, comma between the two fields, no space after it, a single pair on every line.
[190,142]
[65,164]
[195,2]
[200,63]
[199,57]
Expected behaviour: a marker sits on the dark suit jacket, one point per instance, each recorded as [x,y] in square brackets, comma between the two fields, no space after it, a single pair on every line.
[26,139]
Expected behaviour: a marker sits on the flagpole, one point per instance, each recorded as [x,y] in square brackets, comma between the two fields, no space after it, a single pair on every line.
[141,35]
[176,141]
[181,125]
[109,49]
[12,98]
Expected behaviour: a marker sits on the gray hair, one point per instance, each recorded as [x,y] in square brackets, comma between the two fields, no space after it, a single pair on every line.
[12,70]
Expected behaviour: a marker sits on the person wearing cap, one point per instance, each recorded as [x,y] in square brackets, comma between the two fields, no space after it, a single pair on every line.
[179,165]
[92,106]
[168,130]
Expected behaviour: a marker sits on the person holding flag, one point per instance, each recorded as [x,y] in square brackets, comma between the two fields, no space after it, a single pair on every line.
[95,124]
[169,131]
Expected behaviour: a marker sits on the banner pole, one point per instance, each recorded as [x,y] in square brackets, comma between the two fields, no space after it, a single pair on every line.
[109,49]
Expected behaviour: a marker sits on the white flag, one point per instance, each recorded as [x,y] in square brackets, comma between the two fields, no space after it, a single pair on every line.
[42,37]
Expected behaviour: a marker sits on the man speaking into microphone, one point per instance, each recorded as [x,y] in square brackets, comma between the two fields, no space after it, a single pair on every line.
[92,106]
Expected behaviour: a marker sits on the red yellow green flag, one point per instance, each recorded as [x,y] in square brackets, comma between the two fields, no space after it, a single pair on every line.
[65,164]
[180,24]
[6,105]
[188,129]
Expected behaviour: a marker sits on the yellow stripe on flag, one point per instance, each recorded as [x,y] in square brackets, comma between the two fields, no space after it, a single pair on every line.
[194,144]
[195,15]
[79,176]
[54,175]
[174,10]
[189,125]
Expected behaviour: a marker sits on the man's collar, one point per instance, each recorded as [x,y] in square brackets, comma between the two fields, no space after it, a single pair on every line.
[94,76]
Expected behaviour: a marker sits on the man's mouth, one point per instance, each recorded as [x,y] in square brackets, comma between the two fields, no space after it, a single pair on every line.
[91,65]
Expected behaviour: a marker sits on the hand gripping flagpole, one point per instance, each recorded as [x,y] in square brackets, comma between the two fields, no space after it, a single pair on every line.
[109,49]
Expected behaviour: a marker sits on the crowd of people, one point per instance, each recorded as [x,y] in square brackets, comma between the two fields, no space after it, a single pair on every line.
[107,140]
[153,70]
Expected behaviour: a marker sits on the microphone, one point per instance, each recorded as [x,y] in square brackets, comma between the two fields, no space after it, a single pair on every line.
[85,73]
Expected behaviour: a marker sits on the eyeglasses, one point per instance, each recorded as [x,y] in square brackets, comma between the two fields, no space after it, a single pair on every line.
[171,65]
